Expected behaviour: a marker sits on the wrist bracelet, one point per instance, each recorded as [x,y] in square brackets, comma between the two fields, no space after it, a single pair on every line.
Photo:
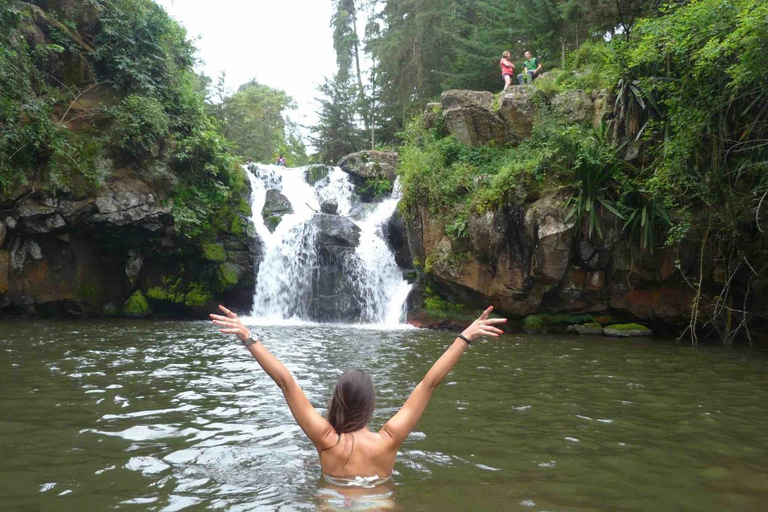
[464,338]
[250,341]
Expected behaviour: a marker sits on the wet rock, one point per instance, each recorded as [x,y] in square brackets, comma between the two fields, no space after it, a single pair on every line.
[371,164]
[133,266]
[394,233]
[333,296]
[573,106]
[127,201]
[486,235]
[334,231]
[23,249]
[590,329]
[471,118]
[627,330]
[3,232]
[545,222]
[517,110]
[330,207]
[275,206]
[5,269]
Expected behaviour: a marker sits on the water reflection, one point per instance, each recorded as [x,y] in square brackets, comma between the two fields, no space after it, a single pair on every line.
[171,416]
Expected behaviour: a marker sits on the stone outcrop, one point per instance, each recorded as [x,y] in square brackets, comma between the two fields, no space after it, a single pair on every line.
[471,117]
[333,296]
[371,164]
[478,117]
[275,206]
[65,255]
[527,259]
[366,167]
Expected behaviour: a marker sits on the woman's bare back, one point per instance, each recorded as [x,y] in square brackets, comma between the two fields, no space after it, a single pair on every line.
[362,453]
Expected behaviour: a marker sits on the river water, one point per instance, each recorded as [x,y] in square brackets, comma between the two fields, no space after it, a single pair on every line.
[139,415]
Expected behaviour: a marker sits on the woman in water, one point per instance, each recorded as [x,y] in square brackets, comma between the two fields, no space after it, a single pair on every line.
[347,448]
[507,69]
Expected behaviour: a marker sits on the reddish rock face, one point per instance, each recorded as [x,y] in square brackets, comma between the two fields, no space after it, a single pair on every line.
[539,265]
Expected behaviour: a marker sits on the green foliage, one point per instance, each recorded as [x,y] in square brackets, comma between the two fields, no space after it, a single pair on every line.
[214,252]
[376,187]
[175,291]
[645,215]
[595,169]
[438,307]
[141,49]
[627,327]
[547,322]
[229,275]
[140,125]
[253,119]
[338,132]
[137,306]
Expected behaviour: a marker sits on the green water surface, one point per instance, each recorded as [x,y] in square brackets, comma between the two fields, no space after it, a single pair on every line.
[165,416]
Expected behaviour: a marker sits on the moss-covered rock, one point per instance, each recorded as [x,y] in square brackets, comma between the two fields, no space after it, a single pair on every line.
[551,323]
[590,329]
[229,275]
[137,306]
[627,330]
[214,252]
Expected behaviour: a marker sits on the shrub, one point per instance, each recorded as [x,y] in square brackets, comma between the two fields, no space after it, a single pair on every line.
[140,125]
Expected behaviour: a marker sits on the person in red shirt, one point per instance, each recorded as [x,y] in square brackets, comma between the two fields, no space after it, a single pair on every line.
[507,69]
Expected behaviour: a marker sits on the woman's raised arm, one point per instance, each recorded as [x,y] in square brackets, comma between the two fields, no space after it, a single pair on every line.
[317,428]
[401,424]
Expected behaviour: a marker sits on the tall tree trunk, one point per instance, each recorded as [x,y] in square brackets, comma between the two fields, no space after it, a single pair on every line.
[562,50]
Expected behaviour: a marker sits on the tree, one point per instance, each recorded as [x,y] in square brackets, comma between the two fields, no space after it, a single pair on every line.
[252,118]
[338,132]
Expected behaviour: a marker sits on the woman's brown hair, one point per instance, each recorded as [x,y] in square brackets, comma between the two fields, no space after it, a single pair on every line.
[352,402]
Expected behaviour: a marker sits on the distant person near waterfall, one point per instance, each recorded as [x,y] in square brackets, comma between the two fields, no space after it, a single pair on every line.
[350,453]
[507,69]
[531,69]
[280,161]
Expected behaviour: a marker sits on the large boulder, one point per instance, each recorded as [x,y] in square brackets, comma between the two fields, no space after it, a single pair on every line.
[275,206]
[553,238]
[516,108]
[573,106]
[335,232]
[333,294]
[395,235]
[471,117]
[371,164]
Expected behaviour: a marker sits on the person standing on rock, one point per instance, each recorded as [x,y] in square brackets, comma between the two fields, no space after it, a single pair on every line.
[507,69]
[281,161]
[531,70]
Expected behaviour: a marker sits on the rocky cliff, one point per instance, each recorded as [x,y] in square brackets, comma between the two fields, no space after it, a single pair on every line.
[64,255]
[525,257]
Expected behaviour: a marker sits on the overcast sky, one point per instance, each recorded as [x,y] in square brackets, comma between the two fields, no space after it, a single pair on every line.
[286,44]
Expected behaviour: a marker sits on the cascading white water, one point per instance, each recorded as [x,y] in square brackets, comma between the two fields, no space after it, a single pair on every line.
[290,255]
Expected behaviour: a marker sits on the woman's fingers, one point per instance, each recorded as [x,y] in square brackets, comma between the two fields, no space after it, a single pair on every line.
[219,317]
[486,313]
[494,321]
[227,312]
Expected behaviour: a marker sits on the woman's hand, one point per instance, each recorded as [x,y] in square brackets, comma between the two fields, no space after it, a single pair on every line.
[231,324]
[484,326]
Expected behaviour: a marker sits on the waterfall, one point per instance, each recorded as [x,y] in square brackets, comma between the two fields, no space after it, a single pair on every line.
[368,285]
